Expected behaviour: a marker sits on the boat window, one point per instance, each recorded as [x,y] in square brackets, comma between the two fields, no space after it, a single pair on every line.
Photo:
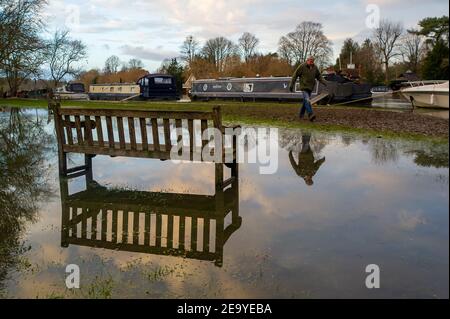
[163,80]
[120,89]
[248,87]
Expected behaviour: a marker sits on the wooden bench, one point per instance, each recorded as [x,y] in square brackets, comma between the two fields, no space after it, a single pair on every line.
[137,133]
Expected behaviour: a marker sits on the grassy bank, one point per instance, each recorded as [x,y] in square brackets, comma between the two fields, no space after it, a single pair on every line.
[354,120]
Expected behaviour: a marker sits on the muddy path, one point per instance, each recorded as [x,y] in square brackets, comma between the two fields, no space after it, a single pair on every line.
[379,120]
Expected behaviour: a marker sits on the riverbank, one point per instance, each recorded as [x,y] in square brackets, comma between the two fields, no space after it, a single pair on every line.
[362,120]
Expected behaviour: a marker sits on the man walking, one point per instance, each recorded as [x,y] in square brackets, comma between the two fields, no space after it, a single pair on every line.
[308,73]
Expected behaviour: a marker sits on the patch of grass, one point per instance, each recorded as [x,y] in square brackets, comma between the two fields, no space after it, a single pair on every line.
[330,128]
[238,113]
[100,288]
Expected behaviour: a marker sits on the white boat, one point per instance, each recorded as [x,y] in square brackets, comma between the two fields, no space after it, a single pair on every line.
[422,94]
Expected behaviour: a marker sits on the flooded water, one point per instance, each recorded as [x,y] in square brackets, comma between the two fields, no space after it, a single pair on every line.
[395,101]
[307,231]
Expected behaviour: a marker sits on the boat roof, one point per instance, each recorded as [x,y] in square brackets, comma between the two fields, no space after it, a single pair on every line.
[284,78]
[113,84]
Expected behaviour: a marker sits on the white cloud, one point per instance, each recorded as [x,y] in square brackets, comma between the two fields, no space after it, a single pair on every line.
[144,53]
[141,26]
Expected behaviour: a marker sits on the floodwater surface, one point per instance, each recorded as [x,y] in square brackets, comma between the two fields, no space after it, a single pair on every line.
[155,229]
[395,101]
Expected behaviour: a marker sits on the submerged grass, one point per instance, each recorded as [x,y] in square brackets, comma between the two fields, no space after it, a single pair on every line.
[238,113]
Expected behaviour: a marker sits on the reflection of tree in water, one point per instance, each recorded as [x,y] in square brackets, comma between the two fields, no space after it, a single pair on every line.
[22,182]
[347,140]
[383,151]
[436,160]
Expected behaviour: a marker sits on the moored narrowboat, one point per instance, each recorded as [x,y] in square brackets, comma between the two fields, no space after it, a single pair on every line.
[276,88]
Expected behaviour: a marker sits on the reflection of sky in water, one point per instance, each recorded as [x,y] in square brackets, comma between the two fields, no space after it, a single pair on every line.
[370,203]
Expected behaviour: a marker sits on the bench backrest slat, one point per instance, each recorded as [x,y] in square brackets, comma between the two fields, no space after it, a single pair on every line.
[167,141]
[121,132]
[143,126]
[98,124]
[78,130]
[132,133]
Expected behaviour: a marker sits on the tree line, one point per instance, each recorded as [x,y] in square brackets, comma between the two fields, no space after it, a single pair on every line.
[390,50]
[25,54]
[393,50]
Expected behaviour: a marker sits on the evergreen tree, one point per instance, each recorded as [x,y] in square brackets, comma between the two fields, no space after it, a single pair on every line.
[435,66]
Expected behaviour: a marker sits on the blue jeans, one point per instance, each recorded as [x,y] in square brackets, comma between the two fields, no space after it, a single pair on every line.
[307,107]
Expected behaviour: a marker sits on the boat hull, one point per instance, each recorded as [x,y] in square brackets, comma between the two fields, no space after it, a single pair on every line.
[73,96]
[428,99]
[429,96]
[274,88]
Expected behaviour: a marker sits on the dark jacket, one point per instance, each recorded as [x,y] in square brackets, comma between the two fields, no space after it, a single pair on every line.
[308,76]
[306,167]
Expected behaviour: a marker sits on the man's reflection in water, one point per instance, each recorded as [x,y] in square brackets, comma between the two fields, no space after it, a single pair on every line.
[307,166]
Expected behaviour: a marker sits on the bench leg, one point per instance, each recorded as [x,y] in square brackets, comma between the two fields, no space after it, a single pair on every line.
[219,175]
[235,169]
[65,218]
[62,163]
[89,172]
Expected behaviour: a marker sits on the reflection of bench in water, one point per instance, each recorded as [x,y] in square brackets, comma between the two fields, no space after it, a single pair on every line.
[192,226]
[186,225]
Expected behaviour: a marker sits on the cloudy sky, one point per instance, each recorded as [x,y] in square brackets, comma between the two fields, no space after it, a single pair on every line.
[154,30]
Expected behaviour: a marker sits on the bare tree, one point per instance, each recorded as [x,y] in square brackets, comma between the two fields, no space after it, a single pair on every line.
[189,49]
[63,53]
[412,49]
[307,39]
[218,51]
[112,65]
[386,38]
[21,49]
[134,64]
[247,44]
